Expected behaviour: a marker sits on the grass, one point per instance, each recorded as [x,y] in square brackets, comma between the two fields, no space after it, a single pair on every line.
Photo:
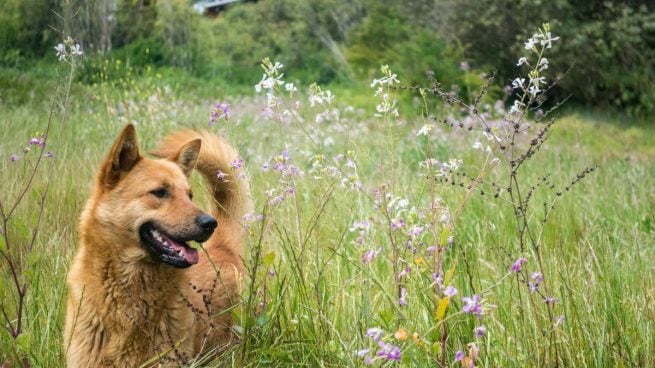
[598,247]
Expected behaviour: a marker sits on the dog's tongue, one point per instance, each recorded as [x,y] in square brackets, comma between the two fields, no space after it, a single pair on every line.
[190,254]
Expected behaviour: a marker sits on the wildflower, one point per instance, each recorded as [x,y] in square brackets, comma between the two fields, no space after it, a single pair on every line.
[532,41]
[543,64]
[221,175]
[547,40]
[472,305]
[516,107]
[401,334]
[459,355]
[397,224]
[290,87]
[477,145]
[370,255]
[220,111]
[559,320]
[479,331]
[522,61]
[550,300]
[403,295]
[450,291]
[536,279]
[271,272]
[375,333]
[474,351]
[518,264]
[518,83]
[388,351]
[49,154]
[236,164]
[363,352]
[405,272]
[425,130]
[37,141]
[76,50]
[14,158]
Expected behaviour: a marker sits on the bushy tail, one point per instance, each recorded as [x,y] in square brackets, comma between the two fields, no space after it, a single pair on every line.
[228,186]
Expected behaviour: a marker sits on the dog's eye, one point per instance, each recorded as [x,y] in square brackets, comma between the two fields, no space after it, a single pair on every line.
[160,193]
[191,196]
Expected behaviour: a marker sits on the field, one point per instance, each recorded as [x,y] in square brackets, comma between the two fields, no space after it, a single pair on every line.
[353,231]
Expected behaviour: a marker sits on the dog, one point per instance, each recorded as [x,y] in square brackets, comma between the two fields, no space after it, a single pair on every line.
[139,294]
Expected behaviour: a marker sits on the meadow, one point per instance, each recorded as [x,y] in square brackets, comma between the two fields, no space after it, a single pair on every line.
[384,240]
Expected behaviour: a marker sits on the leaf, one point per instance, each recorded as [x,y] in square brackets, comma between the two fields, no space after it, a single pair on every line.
[3,244]
[23,342]
[269,258]
[441,308]
[420,261]
[449,276]
[443,236]
[436,348]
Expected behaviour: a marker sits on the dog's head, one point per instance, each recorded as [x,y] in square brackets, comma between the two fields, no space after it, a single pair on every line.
[149,200]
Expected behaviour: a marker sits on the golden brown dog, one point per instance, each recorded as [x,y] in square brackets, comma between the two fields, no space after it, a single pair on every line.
[138,293]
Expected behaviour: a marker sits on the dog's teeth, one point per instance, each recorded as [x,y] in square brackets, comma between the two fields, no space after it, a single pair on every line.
[181,253]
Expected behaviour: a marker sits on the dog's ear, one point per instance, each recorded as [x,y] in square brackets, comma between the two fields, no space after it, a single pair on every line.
[187,156]
[123,156]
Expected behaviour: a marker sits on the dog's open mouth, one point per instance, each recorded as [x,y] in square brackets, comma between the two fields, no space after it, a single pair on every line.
[173,251]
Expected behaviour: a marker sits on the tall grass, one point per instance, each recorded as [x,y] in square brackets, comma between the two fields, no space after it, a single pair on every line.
[309,299]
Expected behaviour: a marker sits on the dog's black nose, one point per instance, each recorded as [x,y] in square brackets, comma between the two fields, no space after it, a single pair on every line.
[206,222]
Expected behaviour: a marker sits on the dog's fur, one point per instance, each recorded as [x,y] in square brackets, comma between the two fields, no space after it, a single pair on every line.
[126,305]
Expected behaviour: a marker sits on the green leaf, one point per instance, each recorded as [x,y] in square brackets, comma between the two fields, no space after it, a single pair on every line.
[268,258]
[3,244]
[23,342]
[449,276]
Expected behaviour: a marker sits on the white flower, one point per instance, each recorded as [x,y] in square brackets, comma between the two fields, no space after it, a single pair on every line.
[516,107]
[534,90]
[61,52]
[518,83]
[477,145]
[290,87]
[522,61]
[543,64]
[76,50]
[529,45]
[427,128]
[272,69]
[548,40]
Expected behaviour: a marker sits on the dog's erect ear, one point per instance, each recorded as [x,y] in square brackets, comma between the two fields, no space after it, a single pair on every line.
[123,156]
[187,156]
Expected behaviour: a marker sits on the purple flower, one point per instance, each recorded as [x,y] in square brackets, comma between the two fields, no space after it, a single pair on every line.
[375,333]
[405,272]
[236,164]
[397,224]
[403,294]
[363,352]
[14,158]
[221,175]
[518,264]
[388,351]
[550,300]
[271,273]
[37,141]
[450,291]
[459,355]
[472,305]
[48,154]
[479,331]
[536,278]
[220,111]
[370,255]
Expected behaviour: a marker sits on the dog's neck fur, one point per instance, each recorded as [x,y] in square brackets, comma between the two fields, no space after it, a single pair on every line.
[114,298]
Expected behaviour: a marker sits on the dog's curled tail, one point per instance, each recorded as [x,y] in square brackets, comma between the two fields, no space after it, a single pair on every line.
[225,178]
